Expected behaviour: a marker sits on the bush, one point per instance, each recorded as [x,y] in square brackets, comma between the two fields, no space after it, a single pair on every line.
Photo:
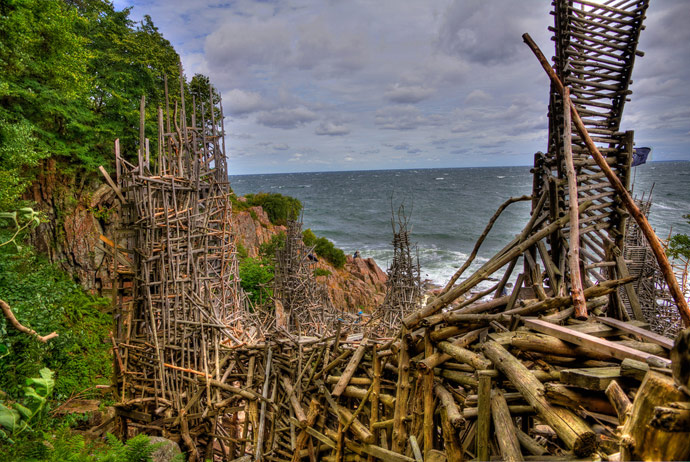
[255,275]
[267,250]
[679,245]
[279,208]
[46,299]
[325,248]
[321,272]
[308,237]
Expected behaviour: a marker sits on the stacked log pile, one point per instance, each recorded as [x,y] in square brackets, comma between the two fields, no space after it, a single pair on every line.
[471,387]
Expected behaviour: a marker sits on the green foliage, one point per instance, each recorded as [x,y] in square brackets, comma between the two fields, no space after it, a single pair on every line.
[73,74]
[17,223]
[267,250]
[308,237]
[69,447]
[15,417]
[256,275]
[46,299]
[679,245]
[326,249]
[321,272]
[279,208]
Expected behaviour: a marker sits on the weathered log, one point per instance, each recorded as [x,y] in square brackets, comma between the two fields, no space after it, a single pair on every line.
[571,429]
[680,357]
[483,417]
[463,355]
[592,343]
[350,369]
[573,399]
[439,358]
[591,378]
[504,428]
[530,443]
[450,406]
[619,400]
[296,405]
[450,437]
[641,441]
[574,239]
[674,417]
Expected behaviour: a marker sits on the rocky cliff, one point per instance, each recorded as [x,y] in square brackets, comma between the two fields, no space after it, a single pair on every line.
[360,285]
[79,212]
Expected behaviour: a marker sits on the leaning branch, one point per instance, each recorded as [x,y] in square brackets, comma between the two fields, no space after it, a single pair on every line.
[17,325]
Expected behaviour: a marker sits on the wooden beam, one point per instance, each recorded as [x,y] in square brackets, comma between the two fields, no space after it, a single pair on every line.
[640,332]
[594,344]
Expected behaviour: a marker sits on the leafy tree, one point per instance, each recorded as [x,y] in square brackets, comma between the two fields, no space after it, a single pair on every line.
[679,245]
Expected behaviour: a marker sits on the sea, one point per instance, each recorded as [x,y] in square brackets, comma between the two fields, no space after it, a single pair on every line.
[446,208]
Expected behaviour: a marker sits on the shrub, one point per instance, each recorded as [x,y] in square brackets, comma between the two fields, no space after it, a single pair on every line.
[325,248]
[321,272]
[279,208]
[255,275]
[308,237]
[679,245]
[268,249]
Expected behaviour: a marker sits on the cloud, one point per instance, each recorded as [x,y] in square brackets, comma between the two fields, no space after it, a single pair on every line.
[404,147]
[404,118]
[408,94]
[332,129]
[281,147]
[483,32]
[240,103]
[247,43]
[477,97]
[286,118]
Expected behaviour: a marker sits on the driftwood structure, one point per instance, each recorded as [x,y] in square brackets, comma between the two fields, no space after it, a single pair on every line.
[553,370]
[301,305]
[403,286]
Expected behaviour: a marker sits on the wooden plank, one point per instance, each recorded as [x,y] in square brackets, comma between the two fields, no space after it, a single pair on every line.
[112,184]
[591,378]
[644,333]
[589,342]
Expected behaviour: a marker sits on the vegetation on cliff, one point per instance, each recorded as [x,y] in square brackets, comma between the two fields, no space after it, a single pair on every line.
[73,74]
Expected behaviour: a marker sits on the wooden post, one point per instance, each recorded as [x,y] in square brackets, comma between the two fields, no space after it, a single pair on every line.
[623,193]
[574,261]
[403,390]
[505,428]
[428,377]
[484,416]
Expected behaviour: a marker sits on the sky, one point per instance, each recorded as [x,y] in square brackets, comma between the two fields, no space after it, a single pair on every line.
[329,85]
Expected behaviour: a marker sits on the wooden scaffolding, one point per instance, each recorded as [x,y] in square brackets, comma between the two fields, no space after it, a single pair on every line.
[302,305]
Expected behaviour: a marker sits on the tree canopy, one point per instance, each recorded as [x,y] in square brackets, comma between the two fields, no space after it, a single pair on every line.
[72,76]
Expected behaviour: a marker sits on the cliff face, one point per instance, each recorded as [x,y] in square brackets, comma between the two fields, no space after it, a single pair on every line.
[79,213]
[360,285]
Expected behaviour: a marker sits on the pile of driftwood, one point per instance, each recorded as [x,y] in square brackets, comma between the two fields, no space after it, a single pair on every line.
[468,384]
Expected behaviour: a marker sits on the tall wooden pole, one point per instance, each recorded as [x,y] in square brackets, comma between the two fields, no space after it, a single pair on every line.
[579,302]
[627,200]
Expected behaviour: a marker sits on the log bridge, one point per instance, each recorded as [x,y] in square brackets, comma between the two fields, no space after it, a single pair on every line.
[558,367]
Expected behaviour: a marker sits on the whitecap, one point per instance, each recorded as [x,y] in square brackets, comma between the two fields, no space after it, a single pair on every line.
[440,178]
